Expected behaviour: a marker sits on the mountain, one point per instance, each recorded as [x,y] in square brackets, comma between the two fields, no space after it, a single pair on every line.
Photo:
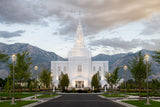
[119,60]
[41,57]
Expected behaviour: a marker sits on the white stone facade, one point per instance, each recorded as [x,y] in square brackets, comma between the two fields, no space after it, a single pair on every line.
[79,66]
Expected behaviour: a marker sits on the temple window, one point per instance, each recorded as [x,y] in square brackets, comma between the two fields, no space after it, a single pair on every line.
[79,68]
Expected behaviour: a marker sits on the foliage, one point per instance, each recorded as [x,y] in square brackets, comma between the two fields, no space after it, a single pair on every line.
[21,67]
[156,57]
[95,80]
[45,78]
[114,77]
[155,85]
[109,79]
[18,103]
[3,57]
[137,68]
[64,81]
[8,85]
[3,82]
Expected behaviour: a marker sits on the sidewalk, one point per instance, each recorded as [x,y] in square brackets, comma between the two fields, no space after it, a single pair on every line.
[39,100]
[119,100]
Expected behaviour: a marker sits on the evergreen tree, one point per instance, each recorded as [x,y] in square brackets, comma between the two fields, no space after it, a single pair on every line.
[95,81]
[45,77]
[3,57]
[64,81]
[156,57]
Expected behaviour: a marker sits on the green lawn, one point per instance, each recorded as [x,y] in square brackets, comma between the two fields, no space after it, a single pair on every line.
[46,95]
[113,95]
[23,95]
[18,103]
[142,103]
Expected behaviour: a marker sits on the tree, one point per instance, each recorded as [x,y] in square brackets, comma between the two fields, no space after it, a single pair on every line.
[8,86]
[64,81]
[109,79]
[156,57]
[115,76]
[22,68]
[3,57]
[137,68]
[45,77]
[155,85]
[95,81]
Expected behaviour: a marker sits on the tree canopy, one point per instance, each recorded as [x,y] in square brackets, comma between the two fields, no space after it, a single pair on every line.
[137,68]
[156,57]
[64,80]
[95,80]
[45,77]
[22,67]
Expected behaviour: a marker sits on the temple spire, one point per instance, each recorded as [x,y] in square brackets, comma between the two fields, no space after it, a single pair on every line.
[80,38]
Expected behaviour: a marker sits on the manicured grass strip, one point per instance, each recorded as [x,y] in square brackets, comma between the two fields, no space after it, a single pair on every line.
[114,95]
[18,103]
[23,95]
[46,95]
[142,103]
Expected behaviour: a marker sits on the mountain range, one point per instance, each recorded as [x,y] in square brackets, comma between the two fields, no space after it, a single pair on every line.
[43,58]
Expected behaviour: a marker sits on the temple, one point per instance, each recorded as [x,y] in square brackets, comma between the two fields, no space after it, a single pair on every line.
[79,67]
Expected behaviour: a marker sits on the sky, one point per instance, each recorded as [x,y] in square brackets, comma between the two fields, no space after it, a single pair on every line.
[109,26]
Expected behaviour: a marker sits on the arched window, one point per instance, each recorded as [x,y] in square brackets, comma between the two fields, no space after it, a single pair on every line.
[79,68]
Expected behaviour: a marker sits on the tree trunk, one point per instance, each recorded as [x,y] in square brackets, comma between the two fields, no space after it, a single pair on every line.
[139,90]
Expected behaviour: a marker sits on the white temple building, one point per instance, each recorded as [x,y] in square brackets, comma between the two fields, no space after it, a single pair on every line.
[79,67]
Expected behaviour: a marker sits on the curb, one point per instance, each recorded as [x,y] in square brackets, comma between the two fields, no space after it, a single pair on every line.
[41,101]
[118,101]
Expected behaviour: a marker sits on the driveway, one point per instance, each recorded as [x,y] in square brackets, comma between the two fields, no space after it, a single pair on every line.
[79,100]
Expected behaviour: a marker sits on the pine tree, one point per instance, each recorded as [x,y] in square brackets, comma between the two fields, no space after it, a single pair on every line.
[64,81]
[95,81]
[45,77]
[156,57]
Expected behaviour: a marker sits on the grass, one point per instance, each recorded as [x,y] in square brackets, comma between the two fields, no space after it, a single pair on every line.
[18,103]
[46,95]
[142,103]
[113,95]
[23,95]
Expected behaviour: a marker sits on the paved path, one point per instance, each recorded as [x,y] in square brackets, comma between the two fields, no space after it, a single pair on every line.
[79,100]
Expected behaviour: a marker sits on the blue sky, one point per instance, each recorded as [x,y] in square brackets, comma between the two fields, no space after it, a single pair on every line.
[110,26]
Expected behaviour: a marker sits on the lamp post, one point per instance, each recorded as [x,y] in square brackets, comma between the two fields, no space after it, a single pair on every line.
[125,68]
[36,68]
[13,60]
[109,75]
[146,58]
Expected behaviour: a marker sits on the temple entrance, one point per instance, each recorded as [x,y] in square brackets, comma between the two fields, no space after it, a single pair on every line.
[79,84]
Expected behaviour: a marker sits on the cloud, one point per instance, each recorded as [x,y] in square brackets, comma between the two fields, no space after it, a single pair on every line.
[96,16]
[6,34]
[120,44]
[152,26]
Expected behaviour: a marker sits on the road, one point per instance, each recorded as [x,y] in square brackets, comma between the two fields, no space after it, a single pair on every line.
[79,100]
